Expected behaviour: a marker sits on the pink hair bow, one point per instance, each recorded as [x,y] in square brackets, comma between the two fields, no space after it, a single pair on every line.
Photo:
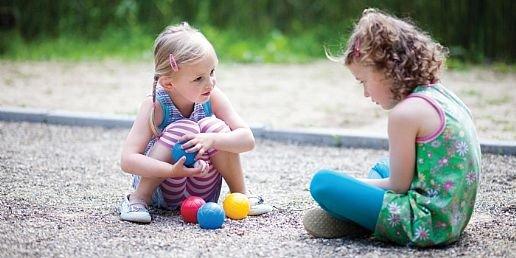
[356,49]
[173,63]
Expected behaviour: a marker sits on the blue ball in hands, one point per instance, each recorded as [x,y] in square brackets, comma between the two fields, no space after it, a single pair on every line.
[178,152]
[210,216]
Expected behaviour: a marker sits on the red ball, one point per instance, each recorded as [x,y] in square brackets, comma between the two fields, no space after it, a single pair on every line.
[189,208]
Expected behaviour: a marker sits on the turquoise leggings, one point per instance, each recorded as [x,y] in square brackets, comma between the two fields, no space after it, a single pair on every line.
[347,198]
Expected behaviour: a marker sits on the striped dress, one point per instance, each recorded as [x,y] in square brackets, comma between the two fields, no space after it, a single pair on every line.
[172,191]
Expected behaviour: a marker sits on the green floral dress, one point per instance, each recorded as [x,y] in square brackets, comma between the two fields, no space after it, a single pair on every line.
[440,201]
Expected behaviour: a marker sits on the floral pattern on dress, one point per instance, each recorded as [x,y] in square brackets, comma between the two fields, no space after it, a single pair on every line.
[462,148]
[422,233]
[471,177]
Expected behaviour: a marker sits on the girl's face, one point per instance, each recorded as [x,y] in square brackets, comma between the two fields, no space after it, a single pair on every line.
[194,82]
[376,86]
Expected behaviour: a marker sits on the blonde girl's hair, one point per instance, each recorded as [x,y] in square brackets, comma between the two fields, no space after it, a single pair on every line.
[175,46]
[399,49]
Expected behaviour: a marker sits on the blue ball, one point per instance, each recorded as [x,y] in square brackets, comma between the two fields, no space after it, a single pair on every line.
[178,152]
[210,216]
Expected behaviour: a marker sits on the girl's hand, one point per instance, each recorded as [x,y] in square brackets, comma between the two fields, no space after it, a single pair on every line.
[180,170]
[201,164]
[199,143]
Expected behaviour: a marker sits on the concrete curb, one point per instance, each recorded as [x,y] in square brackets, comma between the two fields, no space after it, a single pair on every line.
[336,138]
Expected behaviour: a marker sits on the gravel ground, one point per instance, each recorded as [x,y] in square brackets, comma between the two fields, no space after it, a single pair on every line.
[60,187]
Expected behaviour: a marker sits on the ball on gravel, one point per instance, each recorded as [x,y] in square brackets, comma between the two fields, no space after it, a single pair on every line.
[190,207]
[178,152]
[211,216]
[236,205]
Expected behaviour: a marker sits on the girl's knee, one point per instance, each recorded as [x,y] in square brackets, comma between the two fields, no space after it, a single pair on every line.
[212,124]
[174,131]
[183,126]
[323,182]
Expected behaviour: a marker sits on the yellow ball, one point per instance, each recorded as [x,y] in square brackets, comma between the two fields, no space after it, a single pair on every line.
[236,206]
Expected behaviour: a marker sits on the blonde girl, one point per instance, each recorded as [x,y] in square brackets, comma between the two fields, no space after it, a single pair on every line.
[185,108]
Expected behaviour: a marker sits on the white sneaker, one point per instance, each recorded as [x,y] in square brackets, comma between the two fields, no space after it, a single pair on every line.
[258,206]
[134,212]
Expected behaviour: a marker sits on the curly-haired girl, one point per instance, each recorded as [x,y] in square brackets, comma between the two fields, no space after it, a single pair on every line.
[424,194]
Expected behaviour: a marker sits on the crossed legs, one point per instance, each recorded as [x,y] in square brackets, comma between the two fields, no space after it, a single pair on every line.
[349,207]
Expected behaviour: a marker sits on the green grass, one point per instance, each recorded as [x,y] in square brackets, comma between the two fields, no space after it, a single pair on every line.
[231,46]
[504,68]
[116,45]
[273,47]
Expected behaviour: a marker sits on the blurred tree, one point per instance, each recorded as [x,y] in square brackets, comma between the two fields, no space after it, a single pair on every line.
[475,30]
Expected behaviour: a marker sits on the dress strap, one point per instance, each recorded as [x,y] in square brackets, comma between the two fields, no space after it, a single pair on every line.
[207,108]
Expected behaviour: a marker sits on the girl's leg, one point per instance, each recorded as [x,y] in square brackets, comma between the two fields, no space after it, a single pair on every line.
[227,164]
[162,151]
[321,224]
[146,186]
[345,197]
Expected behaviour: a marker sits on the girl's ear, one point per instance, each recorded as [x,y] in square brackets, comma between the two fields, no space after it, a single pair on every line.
[166,82]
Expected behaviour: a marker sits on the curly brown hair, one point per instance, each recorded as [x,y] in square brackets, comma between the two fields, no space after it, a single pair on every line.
[402,51]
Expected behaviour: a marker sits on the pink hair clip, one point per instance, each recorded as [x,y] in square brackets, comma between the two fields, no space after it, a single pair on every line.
[356,49]
[173,63]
